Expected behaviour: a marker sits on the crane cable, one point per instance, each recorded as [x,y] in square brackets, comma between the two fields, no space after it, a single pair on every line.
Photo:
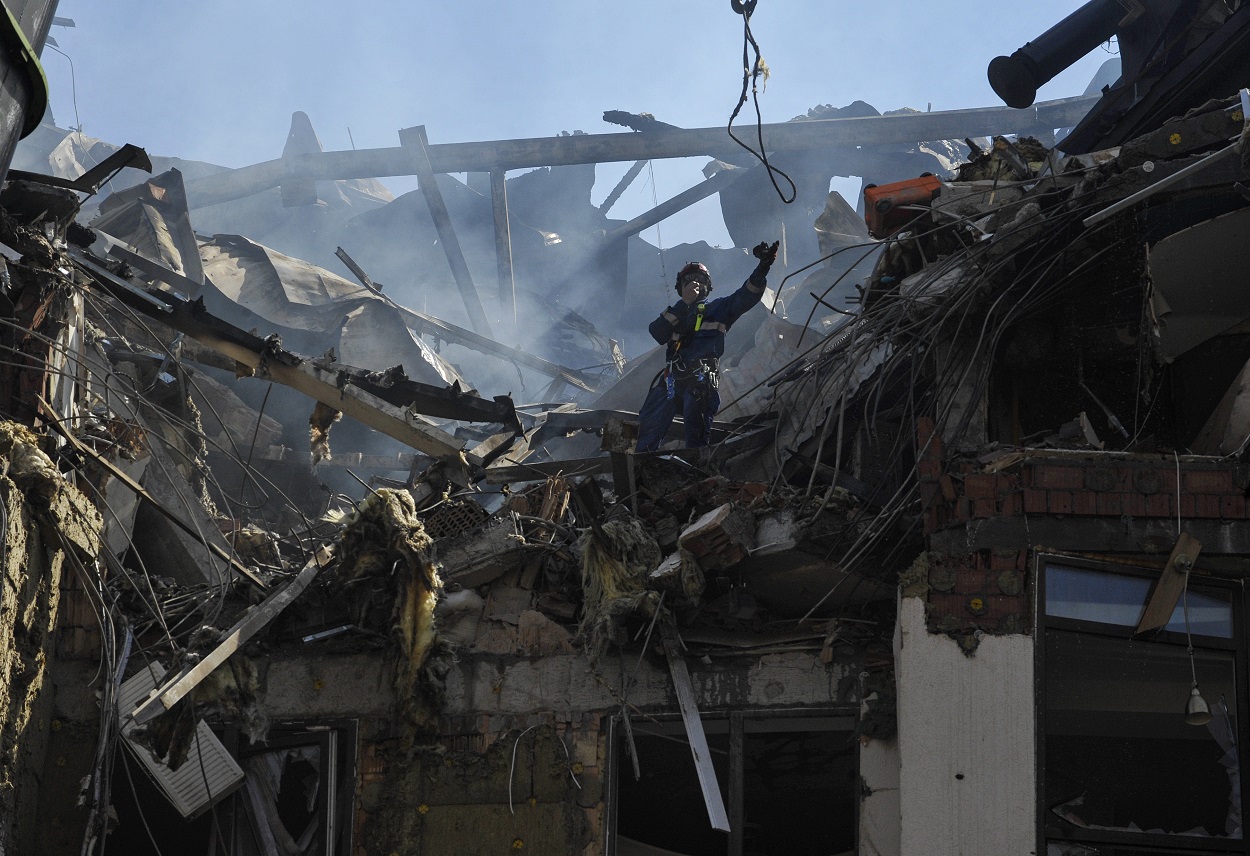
[750,77]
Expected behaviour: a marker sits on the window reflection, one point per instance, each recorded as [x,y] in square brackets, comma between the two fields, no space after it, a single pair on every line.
[1119,599]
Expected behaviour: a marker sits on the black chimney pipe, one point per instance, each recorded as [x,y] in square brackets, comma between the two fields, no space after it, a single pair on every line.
[24,28]
[1016,78]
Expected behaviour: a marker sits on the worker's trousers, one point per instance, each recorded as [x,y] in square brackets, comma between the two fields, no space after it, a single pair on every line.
[698,400]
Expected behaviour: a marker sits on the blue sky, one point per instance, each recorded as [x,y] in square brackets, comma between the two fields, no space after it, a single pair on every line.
[218,81]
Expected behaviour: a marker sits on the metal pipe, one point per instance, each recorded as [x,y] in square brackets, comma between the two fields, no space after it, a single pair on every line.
[1016,78]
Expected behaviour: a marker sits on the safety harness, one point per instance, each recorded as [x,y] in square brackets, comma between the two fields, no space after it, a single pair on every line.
[704,371]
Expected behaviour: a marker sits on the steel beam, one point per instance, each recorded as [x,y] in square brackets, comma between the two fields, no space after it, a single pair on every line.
[660,143]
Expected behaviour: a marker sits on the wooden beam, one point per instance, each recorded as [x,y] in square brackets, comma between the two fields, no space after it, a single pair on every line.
[680,202]
[321,384]
[419,146]
[1171,585]
[621,186]
[254,620]
[503,244]
[660,143]
[694,727]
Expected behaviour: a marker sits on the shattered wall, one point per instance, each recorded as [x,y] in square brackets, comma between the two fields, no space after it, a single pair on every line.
[966,741]
[49,527]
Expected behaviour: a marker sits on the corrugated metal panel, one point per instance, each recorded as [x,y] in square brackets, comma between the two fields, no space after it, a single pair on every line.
[208,774]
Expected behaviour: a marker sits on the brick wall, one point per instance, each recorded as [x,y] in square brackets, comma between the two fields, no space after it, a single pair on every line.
[986,590]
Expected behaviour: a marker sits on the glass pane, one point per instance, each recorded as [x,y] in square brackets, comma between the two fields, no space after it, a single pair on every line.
[1121,599]
[789,779]
[1119,754]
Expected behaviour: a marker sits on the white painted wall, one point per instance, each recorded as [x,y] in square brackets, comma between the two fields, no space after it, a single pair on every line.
[879,825]
[971,717]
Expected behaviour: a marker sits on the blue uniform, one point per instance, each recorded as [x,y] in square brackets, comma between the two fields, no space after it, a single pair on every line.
[695,340]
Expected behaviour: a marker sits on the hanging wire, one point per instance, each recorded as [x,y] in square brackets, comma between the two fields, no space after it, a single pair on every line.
[751,71]
[73,84]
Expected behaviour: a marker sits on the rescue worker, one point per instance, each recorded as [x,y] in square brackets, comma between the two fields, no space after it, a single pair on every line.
[693,329]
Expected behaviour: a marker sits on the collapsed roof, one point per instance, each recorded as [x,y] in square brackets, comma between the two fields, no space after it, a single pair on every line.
[1027,302]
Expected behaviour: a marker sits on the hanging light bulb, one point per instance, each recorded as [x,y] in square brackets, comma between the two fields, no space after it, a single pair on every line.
[1196,711]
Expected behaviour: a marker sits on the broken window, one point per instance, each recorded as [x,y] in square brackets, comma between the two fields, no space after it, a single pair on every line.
[789,785]
[1121,765]
[296,800]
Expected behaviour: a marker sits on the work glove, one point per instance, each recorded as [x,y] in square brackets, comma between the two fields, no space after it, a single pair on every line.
[766,253]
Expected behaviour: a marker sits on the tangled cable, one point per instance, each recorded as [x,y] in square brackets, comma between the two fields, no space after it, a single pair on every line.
[751,71]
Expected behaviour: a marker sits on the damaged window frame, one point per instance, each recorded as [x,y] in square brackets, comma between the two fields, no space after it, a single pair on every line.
[736,725]
[1072,839]
[335,799]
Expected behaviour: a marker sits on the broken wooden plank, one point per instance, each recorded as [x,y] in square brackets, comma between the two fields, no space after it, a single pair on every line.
[1171,585]
[418,144]
[176,688]
[694,727]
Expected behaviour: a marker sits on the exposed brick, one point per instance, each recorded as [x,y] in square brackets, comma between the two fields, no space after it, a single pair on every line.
[1004,482]
[924,427]
[1133,504]
[1158,505]
[1168,476]
[997,606]
[1003,561]
[969,581]
[930,520]
[963,508]
[1100,478]
[1152,480]
[1184,505]
[1059,502]
[1011,504]
[1035,501]
[947,484]
[1208,481]
[983,507]
[929,468]
[1085,502]
[1111,503]
[1207,506]
[1232,507]
[978,486]
[1053,477]
[943,605]
[929,492]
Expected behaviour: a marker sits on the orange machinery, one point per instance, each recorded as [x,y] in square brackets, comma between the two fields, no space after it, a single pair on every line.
[890,207]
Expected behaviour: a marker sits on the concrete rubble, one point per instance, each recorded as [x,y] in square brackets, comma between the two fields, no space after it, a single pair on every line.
[299,536]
